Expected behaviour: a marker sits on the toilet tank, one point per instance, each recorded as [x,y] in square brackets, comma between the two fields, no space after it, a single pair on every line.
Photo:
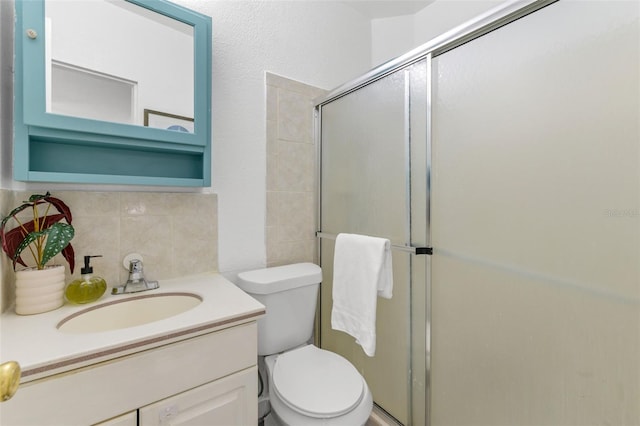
[289,294]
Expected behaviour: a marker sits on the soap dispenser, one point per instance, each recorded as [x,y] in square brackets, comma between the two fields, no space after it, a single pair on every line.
[88,288]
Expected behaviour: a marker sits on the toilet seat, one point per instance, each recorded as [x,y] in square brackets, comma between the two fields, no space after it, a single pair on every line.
[317,383]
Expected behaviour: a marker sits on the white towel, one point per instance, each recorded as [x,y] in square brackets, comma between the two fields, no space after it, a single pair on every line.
[361,271]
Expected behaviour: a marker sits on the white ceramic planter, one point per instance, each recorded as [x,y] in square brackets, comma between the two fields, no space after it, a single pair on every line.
[39,291]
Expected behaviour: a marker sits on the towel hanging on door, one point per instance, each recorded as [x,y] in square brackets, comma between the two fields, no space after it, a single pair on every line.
[362,271]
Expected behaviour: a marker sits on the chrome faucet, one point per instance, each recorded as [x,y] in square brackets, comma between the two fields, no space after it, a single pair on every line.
[136,281]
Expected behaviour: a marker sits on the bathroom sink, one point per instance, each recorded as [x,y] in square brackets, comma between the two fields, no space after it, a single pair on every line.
[125,313]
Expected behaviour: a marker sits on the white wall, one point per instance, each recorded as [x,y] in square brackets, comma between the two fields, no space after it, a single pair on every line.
[391,37]
[315,42]
[443,15]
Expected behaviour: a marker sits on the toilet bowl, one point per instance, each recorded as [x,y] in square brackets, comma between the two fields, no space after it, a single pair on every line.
[312,386]
[306,385]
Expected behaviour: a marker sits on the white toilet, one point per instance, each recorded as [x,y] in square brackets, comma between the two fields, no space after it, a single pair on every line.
[306,385]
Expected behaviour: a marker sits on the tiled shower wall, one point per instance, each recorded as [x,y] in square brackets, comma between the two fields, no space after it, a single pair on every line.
[291,171]
[176,233]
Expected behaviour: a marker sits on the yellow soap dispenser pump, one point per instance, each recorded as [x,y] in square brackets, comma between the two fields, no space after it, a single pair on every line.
[88,288]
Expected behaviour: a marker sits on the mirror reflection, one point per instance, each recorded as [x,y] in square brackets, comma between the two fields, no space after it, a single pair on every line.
[115,61]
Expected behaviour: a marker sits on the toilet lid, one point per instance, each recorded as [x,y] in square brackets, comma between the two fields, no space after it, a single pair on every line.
[317,383]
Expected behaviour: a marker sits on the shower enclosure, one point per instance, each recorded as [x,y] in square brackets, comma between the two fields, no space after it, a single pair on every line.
[502,160]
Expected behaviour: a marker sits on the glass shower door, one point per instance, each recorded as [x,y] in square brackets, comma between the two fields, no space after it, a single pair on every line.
[368,160]
[536,222]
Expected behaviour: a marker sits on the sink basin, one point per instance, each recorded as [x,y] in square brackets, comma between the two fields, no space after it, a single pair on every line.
[125,313]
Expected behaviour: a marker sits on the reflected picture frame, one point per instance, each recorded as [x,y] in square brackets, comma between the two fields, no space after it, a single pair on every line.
[168,121]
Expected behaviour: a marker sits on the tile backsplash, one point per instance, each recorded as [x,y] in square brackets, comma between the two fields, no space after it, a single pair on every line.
[176,233]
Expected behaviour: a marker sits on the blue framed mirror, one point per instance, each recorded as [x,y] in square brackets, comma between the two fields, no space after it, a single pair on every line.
[112,91]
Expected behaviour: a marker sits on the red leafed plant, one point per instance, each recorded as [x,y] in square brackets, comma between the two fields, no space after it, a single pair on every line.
[44,236]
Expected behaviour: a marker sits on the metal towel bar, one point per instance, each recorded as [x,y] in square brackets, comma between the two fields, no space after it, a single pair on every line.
[408,249]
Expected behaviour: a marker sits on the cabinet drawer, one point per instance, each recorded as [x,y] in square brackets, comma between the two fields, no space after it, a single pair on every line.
[227,401]
[129,419]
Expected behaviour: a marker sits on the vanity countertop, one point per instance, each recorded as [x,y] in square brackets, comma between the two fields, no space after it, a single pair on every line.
[42,350]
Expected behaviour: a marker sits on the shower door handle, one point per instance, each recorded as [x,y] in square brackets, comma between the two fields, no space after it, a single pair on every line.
[424,250]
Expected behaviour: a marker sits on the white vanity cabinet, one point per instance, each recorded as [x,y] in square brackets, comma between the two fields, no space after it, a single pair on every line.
[207,379]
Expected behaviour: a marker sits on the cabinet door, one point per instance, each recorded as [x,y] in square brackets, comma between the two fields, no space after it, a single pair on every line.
[231,400]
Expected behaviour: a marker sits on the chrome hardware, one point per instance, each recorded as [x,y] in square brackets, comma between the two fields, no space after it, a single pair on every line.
[136,281]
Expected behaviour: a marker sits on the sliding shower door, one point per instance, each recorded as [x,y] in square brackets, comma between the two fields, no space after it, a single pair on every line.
[514,151]
[536,221]
[367,162]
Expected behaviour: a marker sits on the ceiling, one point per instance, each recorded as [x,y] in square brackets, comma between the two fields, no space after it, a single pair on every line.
[375,9]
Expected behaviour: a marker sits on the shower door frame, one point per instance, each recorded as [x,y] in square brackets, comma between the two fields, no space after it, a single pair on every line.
[493,19]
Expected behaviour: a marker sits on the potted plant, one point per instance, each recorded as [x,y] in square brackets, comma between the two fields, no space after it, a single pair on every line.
[42,234]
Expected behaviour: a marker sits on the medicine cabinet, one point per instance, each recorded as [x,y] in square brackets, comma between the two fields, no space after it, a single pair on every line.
[112,92]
